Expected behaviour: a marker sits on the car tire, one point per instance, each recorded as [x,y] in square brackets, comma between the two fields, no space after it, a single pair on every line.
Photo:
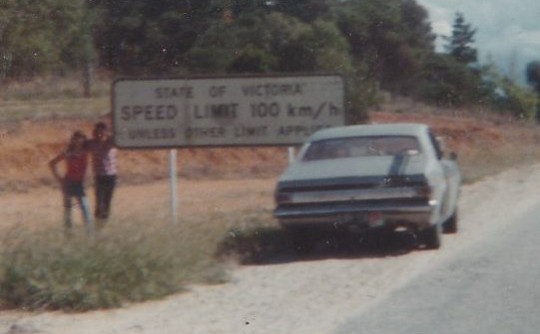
[451,225]
[301,240]
[432,237]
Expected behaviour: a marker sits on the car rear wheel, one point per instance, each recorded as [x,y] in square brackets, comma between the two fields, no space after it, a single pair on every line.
[432,238]
[451,225]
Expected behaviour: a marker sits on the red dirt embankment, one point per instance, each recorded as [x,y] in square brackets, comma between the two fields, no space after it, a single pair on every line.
[26,147]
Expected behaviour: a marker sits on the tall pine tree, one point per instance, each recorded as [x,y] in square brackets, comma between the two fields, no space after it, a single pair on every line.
[460,43]
[533,75]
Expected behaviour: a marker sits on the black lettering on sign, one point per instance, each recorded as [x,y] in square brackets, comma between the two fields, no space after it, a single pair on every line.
[299,130]
[148,113]
[160,133]
[261,110]
[174,92]
[250,131]
[273,90]
[217,111]
[210,132]
[217,91]
[334,110]
[306,111]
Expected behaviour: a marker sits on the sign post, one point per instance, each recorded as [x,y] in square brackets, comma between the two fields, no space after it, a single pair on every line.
[291,154]
[173,177]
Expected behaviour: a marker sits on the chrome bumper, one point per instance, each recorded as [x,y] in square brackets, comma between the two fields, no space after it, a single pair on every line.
[410,216]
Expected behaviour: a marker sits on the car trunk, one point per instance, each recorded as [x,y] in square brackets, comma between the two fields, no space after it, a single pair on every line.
[350,173]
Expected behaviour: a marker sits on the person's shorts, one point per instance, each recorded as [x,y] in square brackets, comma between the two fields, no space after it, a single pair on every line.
[72,188]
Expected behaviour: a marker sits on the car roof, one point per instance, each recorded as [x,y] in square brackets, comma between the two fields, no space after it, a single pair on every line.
[389,129]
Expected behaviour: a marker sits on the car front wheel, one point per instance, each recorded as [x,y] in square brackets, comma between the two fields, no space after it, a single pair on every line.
[451,225]
[431,237]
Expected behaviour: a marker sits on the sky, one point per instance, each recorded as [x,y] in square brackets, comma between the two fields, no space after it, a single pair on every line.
[508,31]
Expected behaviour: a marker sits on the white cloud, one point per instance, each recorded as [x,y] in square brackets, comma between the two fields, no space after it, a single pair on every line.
[442,28]
[507,31]
[531,38]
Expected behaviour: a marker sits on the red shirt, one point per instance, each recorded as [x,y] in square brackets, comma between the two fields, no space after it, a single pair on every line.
[76,166]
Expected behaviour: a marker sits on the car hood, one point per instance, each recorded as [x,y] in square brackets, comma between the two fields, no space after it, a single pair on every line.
[355,167]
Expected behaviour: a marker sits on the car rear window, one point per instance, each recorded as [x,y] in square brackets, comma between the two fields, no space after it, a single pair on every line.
[364,146]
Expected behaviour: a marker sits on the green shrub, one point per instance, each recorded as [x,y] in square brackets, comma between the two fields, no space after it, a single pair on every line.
[128,264]
[255,244]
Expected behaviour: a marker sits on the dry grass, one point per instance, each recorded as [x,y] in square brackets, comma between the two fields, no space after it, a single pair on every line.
[72,108]
[54,97]
[139,255]
[131,262]
[55,87]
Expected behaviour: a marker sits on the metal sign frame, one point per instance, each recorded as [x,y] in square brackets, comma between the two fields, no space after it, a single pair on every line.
[218,143]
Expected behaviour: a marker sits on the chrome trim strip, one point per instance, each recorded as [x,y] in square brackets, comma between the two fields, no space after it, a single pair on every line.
[291,212]
[352,195]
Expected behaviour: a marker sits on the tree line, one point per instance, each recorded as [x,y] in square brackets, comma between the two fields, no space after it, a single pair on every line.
[376,45]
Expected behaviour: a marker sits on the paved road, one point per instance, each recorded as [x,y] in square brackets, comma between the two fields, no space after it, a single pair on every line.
[491,287]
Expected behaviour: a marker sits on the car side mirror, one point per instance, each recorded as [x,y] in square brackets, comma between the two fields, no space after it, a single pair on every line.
[442,142]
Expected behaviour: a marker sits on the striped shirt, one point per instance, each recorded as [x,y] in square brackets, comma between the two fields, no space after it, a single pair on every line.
[104,161]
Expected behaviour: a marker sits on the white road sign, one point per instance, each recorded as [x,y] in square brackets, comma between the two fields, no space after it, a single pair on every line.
[228,111]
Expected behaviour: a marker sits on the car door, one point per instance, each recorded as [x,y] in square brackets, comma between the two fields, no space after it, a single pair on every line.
[452,178]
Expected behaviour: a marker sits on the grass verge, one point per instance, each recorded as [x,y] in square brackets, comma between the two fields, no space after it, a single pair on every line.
[131,263]
[485,159]
[55,97]
[65,109]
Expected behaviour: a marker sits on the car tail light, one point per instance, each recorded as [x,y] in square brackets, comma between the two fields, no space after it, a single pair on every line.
[283,197]
[424,191]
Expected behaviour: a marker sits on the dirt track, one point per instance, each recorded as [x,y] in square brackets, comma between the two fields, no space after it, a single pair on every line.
[300,296]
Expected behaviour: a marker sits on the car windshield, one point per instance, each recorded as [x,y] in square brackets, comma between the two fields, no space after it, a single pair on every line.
[365,146]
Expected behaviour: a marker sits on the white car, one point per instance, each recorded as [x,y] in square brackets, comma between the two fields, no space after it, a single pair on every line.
[356,178]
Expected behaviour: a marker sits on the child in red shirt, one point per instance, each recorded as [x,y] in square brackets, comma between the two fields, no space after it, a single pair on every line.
[76,160]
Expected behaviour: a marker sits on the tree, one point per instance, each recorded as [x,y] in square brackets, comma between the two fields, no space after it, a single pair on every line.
[320,47]
[305,10]
[150,36]
[271,42]
[39,36]
[533,78]
[460,43]
[533,75]
[416,26]
[249,44]
[516,100]
[447,82]
[81,51]
[389,40]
